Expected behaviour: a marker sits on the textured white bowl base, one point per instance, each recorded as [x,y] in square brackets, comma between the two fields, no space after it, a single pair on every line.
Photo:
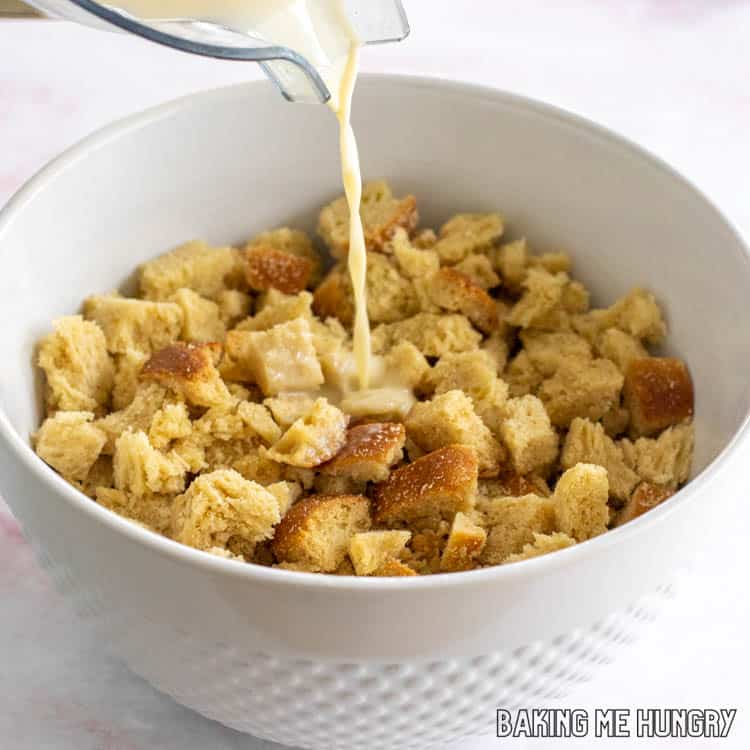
[352,706]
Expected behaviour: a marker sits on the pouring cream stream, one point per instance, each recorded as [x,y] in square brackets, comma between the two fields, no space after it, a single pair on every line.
[320,31]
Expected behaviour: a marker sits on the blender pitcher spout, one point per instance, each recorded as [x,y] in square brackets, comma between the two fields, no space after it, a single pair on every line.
[372,21]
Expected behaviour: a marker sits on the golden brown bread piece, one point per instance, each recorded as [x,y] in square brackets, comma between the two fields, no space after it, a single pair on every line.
[194,265]
[439,484]
[293,241]
[316,437]
[581,388]
[333,298]
[464,545]
[189,369]
[450,419]
[269,268]
[451,290]
[70,443]
[369,550]
[392,568]
[512,522]
[134,323]
[528,435]
[222,509]
[369,452]
[468,233]
[382,215]
[280,359]
[316,530]
[543,544]
[645,497]
[580,499]
[79,372]
[658,392]
[201,317]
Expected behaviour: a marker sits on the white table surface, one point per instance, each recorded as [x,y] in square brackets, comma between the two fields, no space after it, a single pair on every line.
[670,74]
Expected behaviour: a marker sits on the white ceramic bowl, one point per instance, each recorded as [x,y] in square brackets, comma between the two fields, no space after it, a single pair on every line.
[327,662]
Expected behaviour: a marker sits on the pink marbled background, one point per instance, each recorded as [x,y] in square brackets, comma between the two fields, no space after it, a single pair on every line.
[670,74]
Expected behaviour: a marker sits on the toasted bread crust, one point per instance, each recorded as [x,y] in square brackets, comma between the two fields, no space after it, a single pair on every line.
[369,452]
[269,268]
[658,392]
[185,361]
[393,568]
[333,298]
[453,290]
[645,497]
[443,481]
[295,536]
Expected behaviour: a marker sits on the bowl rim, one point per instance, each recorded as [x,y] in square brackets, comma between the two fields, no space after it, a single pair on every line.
[497,574]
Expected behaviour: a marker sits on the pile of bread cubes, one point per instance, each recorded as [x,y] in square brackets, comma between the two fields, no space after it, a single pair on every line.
[506,419]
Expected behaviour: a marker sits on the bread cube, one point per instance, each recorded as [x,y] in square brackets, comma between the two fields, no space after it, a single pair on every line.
[472,372]
[287,408]
[555,262]
[450,419]
[171,422]
[547,350]
[528,435]
[390,296]
[194,265]
[451,290]
[581,495]
[313,439]
[387,404]
[275,307]
[586,442]
[286,494]
[465,544]
[433,334]
[333,297]
[317,530]
[70,443]
[543,544]
[521,375]
[151,511]
[665,460]
[478,269]
[437,485]
[234,306]
[127,376]
[369,452]
[510,484]
[293,241]
[201,318]
[392,568]
[280,359]
[134,323]
[581,388]
[658,393]
[638,314]
[268,268]
[381,213]
[369,550]
[511,260]
[645,497]
[140,469]
[413,262]
[79,371]
[190,371]
[136,416]
[325,484]
[465,234]
[542,295]
[512,523]
[407,364]
[222,507]
[619,347]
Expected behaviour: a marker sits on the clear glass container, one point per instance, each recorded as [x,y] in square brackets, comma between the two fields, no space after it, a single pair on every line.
[373,21]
